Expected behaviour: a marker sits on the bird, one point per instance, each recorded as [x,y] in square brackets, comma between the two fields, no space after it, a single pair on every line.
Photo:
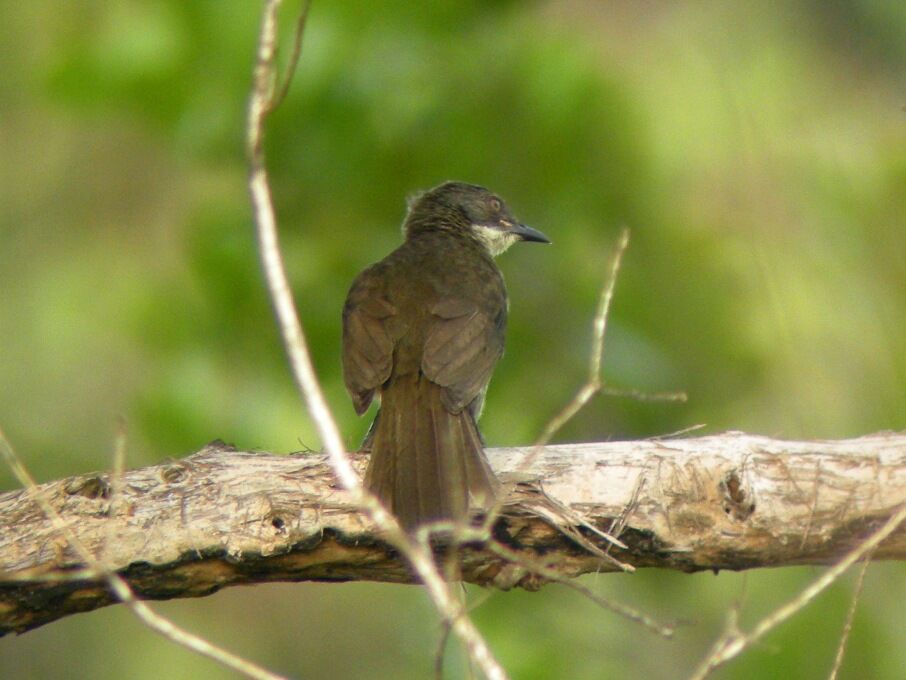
[422,331]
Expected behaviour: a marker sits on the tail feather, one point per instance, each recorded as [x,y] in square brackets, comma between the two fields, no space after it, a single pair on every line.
[427,464]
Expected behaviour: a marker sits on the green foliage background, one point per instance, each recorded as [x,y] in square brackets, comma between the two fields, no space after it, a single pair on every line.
[756,150]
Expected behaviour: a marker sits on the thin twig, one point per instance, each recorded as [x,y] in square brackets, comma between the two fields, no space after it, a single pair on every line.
[280,93]
[300,359]
[272,262]
[588,390]
[639,395]
[850,617]
[460,534]
[594,382]
[676,433]
[733,643]
[441,648]
[445,636]
[535,567]
[121,589]
[116,482]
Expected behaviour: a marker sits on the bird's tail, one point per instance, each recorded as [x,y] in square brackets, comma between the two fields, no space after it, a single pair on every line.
[427,464]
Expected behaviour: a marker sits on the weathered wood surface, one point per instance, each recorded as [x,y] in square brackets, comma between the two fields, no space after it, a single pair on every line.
[223,517]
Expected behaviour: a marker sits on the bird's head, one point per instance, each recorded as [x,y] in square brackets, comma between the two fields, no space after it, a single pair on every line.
[471,210]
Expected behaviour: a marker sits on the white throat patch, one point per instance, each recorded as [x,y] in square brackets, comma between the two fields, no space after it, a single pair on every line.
[495,240]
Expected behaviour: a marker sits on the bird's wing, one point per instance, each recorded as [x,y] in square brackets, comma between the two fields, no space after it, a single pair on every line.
[461,348]
[367,344]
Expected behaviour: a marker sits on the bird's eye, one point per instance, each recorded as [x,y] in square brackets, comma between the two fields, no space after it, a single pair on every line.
[495,204]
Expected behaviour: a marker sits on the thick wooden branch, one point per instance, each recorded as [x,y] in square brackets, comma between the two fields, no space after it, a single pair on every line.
[222,517]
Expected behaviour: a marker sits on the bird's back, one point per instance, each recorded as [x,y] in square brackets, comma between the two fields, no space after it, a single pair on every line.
[423,272]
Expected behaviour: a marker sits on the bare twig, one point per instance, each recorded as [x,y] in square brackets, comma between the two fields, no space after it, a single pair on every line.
[461,534]
[439,653]
[260,105]
[121,589]
[116,482]
[639,395]
[850,617]
[677,433]
[272,263]
[280,92]
[536,567]
[734,642]
[588,390]
[445,636]
[594,382]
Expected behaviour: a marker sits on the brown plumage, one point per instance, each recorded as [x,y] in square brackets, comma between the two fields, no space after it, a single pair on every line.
[423,328]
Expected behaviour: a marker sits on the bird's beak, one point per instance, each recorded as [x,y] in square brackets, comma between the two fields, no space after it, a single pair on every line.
[526,233]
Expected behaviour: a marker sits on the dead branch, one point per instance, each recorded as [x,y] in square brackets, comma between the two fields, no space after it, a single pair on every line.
[222,517]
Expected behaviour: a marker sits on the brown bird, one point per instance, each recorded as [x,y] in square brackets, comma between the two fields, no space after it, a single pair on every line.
[423,329]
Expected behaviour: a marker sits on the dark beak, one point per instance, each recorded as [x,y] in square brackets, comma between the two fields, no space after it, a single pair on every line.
[526,233]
